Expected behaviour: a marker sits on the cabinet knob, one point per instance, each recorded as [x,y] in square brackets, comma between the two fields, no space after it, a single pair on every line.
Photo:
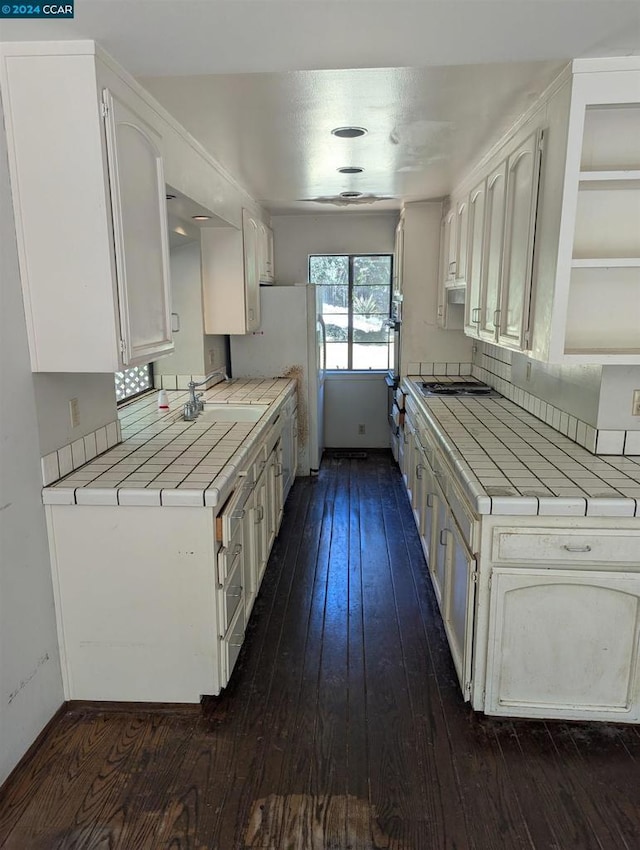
[570,548]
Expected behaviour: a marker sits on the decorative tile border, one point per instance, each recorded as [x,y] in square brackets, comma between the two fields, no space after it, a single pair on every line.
[64,460]
[496,371]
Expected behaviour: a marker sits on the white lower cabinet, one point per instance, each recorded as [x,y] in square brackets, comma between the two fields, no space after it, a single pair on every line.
[542,613]
[152,602]
[564,643]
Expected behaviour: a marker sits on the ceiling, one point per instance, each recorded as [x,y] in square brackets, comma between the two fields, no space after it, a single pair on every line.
[261,83]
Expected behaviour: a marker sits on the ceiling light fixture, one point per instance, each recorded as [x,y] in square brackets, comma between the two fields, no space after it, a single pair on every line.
[350,195]
[201,217]
[351,169]
[349,132]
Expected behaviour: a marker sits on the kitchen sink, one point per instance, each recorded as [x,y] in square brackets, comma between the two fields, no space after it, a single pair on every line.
[219,412]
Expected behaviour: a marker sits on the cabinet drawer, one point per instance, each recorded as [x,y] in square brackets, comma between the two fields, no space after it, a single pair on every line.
[399,398]
[606,546]
[231,593]
[229,555]
[234,511]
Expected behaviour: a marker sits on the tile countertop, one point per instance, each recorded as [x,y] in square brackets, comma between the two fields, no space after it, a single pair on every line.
[163,460]
[509,462]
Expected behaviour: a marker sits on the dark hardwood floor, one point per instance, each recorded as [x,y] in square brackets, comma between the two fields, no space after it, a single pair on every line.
[343,726]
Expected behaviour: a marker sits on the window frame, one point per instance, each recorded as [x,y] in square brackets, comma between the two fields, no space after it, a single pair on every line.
[350,313]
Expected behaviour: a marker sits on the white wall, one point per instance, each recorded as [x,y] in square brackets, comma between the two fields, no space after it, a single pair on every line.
[616,398]
[422,339]
[297,236]
[30,679]
[352,400]
[96,404]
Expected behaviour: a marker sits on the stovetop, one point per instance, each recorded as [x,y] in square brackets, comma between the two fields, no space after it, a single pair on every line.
[466,389]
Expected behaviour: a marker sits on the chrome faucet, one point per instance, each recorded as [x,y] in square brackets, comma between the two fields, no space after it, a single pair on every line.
[194,406]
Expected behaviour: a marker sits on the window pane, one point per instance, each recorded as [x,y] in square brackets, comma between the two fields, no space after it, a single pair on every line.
[370,356]
[371,299]
[329,269]
[370,329]
[333,299]
[371,270]
[337,355]
[337,327]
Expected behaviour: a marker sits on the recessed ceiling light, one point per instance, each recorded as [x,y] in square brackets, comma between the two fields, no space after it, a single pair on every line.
[171,197]
[351,169]
[348,195]
[349,132]
[201,217]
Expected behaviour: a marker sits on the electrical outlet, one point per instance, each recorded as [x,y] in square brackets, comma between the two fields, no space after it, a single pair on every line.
[74,412]
[361,429]
[635,409]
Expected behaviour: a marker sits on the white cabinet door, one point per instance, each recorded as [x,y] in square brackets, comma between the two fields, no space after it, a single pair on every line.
[418,491]
[251,271]
[523,171]
[265,252]
[407,455]
[564,643]
[477,199]
[439,566]
[492,252]
[449,246]
[458,613]
[140,229]
[461,241]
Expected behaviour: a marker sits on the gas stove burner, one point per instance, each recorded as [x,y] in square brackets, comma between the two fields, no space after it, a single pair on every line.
[459,389]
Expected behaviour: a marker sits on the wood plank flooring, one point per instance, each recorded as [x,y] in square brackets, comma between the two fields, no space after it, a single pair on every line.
[343,727]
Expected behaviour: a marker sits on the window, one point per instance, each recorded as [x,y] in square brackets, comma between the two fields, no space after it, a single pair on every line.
[354,299]
[133,381]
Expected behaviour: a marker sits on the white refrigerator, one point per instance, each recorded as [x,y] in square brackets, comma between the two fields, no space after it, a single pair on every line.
[291,344]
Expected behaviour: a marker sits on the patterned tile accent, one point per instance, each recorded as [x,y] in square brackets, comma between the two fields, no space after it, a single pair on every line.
[493,366]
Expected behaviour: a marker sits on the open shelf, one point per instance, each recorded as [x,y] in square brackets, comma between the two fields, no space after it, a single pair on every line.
[604,311]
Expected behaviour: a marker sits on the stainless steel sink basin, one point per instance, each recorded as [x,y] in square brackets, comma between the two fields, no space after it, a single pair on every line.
[219,412]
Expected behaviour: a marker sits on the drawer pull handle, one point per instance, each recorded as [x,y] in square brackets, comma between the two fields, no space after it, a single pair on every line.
[419,471]
[443,541]
[259,514]
[238,514]
[234,595]
[429,500]
[237,550]
[475,316]
[576,548]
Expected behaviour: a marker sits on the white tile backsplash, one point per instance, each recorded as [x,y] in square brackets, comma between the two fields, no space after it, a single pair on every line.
[67,458]
[493,366]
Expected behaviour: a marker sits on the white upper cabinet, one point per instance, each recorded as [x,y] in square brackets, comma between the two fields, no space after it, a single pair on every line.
[231,277]
[477,198]
[138,203]
[89,201]
[523,171]
[558,274]
[461,241]
[492,253]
